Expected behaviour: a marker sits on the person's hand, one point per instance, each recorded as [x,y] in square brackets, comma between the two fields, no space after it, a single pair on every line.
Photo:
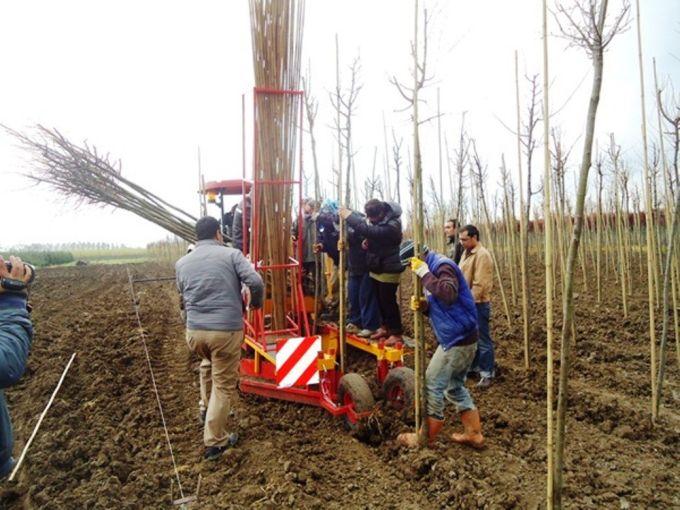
[19,271]
[419,267]
[246,298]
[364,244]
[317,247]
[18,278]
[345,213]
[418,304]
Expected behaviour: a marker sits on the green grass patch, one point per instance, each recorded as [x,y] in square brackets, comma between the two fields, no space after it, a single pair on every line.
[41,258]
[112,256]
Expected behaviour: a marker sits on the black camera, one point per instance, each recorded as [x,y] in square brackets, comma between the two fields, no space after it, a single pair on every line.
[8,265]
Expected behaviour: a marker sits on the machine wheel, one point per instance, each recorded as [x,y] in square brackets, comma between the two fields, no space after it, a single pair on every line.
[399,390]
[353,389]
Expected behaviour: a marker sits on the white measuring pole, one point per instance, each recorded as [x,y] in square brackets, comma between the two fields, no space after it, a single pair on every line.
[42,416]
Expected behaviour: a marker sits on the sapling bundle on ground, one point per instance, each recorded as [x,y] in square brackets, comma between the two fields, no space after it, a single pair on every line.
[82,174]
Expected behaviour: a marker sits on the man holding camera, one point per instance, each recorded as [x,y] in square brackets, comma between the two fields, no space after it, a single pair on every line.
[16,333]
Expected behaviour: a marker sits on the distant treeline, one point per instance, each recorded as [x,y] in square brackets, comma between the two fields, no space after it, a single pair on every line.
[41,258]
[70,247]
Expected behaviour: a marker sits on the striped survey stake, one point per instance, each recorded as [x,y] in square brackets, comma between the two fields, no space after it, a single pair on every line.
[296,361]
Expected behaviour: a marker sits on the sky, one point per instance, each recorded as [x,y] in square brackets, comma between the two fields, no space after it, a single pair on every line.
[149,82]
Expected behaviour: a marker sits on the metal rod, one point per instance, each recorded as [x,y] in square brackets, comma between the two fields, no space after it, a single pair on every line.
[42,416]
[161,279]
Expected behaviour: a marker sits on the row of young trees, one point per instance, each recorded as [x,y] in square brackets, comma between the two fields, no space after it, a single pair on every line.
[615,228]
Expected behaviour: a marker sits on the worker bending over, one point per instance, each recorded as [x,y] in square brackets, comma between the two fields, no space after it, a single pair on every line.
[451,309]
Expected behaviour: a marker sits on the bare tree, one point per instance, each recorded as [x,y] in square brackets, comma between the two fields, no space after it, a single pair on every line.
[583,25]
[345,103]
[396,159]
[462,161]
[373,184]
[411,96]
[311,109]
[672,118]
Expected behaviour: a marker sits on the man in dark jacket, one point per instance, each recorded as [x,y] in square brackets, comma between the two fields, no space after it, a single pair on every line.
[453,315]
[327,236]
[308,231]
[383,239]
[455,249]
[16,332]
[364,315]
[237,225]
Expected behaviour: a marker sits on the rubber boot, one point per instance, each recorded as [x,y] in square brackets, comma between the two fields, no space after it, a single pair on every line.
[410,439]
[472,436]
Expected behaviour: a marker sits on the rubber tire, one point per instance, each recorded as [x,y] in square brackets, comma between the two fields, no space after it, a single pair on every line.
[403,378]
[355,388]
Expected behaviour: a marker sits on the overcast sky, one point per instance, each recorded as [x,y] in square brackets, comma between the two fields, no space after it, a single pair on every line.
[150,81]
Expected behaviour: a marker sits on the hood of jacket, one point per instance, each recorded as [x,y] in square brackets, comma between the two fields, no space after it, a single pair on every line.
[393,214]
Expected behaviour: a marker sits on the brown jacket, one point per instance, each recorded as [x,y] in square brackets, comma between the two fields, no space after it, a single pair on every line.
[477,267]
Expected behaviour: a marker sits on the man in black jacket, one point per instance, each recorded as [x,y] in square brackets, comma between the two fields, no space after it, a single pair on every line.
[455,249]
[364,316]
[383,239]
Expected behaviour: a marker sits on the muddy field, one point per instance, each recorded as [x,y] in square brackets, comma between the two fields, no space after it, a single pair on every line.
[102,444]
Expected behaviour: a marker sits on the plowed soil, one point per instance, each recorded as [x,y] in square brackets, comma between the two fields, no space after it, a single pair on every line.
[102,444]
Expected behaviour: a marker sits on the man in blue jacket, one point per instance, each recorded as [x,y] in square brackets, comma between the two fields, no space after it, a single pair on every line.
[16,332]
[453,316]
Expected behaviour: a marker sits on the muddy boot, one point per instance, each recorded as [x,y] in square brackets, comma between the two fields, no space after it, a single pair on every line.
[472,436]
[410,439]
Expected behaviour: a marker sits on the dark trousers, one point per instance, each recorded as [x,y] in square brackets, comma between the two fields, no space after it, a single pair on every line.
[363,305]
[484,359]
[386,294]
[308,277]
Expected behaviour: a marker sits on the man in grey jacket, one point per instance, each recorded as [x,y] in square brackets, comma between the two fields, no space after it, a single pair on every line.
[210,279]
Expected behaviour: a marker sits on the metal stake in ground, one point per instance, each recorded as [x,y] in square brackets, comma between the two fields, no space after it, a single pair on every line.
[42,416]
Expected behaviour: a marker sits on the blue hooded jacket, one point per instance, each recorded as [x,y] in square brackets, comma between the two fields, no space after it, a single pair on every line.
[452,324]
[15,340]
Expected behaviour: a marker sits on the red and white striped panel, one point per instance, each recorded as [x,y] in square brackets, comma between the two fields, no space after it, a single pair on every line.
[296,361]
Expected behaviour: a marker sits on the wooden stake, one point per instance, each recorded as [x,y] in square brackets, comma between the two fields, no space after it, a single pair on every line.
[548,269]
[40,420]
[648,224]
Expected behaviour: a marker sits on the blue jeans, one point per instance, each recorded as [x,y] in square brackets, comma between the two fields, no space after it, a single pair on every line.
[445,378]
[363,305]
[484,360]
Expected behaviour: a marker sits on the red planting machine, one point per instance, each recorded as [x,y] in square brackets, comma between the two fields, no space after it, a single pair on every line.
[294,362]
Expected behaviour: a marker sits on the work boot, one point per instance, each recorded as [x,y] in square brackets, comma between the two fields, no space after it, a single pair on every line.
[393,340]
[352,329]
[214,452]
[472,435]
[379,333]
[410,439]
